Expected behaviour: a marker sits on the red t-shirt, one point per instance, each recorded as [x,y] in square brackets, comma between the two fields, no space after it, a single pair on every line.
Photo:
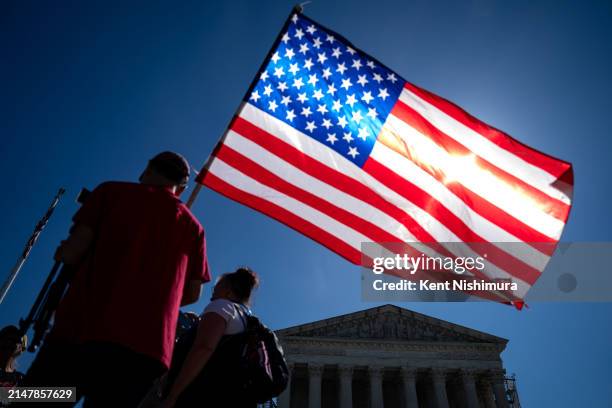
[128,290]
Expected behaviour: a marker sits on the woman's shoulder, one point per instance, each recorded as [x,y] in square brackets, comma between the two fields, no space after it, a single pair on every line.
[223,307]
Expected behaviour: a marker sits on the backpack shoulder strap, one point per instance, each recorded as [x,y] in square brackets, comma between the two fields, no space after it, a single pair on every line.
[242,312]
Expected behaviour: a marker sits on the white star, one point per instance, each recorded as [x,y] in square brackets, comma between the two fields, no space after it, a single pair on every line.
[377,77]
[304,48]
[322,109]
[331,138]
[285,38]
[308,64]
[326,123]
[337,52]
[302,97]
[350,50]
[290,115]
[353,152]
[348,137]
[317,94]
[357,117]
[310,126]
[383,94]
[321,58]
[341,68]
[264,76]
[255,96]
[286,100]
[289,53]
[272,105]
[326,73]
[351,100]
[293,68]
[330,38]
[342,122]
[311,29]
[317,43]
[299,33]
[336,105]
[356,64]
[279,72]
[363,133]
[306,111]
[370,64]
[367,97]
[275,57]
[312,79]
[331,89]
[282,86]
[346,83]
[362,80]
[267,90]
[372,113]
[294,18]
[298,83]
[391,77]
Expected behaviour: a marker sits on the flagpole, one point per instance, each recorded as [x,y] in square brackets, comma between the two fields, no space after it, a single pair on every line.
[29,245]
[297,9]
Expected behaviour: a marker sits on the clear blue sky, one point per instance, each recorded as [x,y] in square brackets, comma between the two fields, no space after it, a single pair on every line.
[91,90]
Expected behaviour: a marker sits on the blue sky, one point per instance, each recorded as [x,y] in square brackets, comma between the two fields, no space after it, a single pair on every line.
[91,90]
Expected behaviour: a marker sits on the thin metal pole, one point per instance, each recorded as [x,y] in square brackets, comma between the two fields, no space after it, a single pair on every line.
[29,245]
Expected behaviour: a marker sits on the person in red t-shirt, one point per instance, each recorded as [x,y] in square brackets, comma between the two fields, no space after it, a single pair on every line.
[138,254]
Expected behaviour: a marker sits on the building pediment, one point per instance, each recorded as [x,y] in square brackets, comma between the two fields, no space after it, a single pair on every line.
[391,323]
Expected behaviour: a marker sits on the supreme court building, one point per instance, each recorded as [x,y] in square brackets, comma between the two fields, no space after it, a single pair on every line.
[393,358]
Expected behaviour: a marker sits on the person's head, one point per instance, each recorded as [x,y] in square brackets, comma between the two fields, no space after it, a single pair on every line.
[167,169]
[236,286]
[11,345]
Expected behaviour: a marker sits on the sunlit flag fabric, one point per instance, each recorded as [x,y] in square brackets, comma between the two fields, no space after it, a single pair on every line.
[337,146]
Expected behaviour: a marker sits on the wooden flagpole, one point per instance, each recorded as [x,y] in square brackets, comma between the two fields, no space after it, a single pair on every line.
[297,9]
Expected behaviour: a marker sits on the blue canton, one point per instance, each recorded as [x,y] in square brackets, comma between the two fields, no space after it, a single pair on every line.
[317,83]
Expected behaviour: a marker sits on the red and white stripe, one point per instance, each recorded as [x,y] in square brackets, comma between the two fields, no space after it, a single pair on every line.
[436,174]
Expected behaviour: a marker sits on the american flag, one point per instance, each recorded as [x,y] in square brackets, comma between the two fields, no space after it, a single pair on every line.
[337,146]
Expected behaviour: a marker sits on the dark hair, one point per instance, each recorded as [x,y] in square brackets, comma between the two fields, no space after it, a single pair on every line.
[11,334]
[242,282]
[172,166]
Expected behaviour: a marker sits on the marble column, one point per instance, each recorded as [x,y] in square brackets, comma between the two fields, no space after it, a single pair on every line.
[469,387]
[499,390]
[376,388]
[439,381]
[315,373]
[284,400]
[486,392]
[346,386]
[409,384]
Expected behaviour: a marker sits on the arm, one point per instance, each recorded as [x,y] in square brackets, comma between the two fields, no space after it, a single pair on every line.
[191,292]
[72,250]
[211,328]
[197,271]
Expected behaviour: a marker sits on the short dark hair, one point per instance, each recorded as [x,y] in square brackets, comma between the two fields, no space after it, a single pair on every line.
[172,166]
[242,282]
[11,335]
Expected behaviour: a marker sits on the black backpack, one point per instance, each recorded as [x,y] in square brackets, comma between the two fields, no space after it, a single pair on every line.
[252,363]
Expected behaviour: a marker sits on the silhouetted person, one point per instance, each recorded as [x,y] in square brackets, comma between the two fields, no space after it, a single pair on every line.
[11,347]
[224,316]
[139,254]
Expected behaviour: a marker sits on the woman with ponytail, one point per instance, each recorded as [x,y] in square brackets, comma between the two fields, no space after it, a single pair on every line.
[225,315]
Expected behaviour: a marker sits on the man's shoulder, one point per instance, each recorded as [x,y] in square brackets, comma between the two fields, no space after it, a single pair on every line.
[118,185]
[115,186]
[190,218]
